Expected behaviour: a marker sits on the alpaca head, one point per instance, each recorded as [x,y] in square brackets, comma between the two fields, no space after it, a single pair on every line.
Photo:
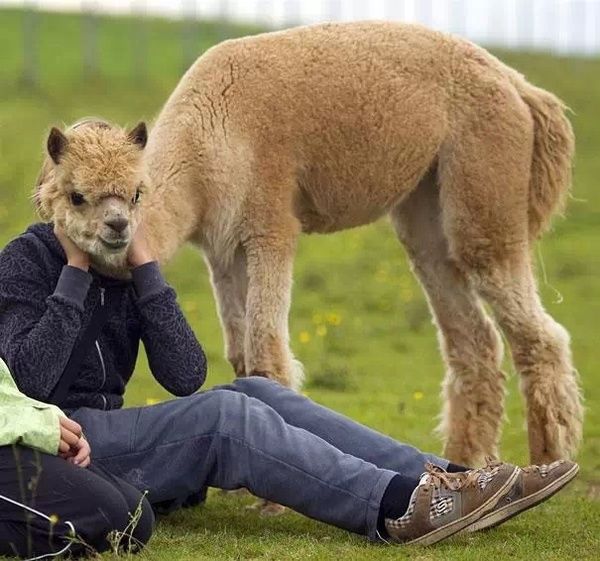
[91,185]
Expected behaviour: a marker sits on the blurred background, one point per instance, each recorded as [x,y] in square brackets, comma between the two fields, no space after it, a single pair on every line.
[359,321]
[563,26]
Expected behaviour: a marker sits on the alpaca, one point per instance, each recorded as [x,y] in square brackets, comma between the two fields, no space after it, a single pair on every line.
[328,127]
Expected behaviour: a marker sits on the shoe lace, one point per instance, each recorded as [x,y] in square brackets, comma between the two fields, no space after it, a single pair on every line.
[439,478]
[491,462]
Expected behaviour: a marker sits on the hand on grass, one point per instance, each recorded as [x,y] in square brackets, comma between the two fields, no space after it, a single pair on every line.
[73,447]
[76,257]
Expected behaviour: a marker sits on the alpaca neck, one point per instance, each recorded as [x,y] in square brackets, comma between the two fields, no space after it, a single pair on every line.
[169,220]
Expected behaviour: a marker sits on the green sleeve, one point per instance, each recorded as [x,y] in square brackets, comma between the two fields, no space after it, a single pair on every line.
[26,421]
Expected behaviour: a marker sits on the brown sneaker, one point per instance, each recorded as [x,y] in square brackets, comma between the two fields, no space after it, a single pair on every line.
[445,503]
[534,485]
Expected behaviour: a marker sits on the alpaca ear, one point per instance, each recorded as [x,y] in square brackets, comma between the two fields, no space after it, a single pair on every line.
[139,135]
[56,144]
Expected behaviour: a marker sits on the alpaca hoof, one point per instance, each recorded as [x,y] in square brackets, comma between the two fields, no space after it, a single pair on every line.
[239,366]
[235,492]
[267,508]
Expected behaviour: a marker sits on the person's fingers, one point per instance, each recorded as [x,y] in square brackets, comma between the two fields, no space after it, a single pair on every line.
[63,447]
[83,454]
[71,425]
[70,438]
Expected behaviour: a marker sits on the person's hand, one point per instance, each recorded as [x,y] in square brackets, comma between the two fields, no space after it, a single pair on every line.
[139,252]
[76,257]
[73,447]
[82,457]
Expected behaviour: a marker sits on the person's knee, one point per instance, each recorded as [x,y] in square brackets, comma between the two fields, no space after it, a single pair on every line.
[130,515]
[109,521]
[255,385]
[142,523]
[114,524]
[221,406]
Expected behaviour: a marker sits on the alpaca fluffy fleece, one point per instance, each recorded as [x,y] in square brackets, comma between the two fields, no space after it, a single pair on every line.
[329,127]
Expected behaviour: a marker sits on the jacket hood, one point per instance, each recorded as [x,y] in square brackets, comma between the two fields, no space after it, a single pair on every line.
[45,233]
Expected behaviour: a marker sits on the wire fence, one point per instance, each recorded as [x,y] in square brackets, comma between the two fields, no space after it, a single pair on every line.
[561,26]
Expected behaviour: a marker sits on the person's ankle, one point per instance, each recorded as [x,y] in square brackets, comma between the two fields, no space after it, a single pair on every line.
[456,468]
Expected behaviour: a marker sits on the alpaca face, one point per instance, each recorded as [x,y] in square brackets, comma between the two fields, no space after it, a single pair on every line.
[92,186]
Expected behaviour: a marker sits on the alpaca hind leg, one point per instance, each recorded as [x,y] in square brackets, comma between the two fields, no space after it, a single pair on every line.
[471,346]
[484,196]
[541,352]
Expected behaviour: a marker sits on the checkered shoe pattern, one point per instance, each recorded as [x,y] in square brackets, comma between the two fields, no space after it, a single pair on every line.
[406,518]
[440,506]
[444,503]
[486,476]
[535,484]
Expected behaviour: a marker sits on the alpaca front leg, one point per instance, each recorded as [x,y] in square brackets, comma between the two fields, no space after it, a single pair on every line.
[230,285]
[266,348]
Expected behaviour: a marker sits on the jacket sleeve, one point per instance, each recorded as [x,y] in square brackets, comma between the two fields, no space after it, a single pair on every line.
[176,358]
[39,323]
[25,421]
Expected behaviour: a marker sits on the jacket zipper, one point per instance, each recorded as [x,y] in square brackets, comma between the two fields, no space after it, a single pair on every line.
[102,364]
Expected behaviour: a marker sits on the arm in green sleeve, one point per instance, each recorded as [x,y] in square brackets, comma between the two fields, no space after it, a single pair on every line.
[26,421]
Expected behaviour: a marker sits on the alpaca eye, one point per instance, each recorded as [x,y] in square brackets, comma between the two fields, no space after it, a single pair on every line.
[77,199]
[136,197]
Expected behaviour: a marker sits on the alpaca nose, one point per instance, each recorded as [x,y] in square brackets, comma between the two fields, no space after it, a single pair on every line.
[117,224]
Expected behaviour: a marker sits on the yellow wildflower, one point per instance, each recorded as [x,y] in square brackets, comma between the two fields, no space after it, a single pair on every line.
[418,396]
[322,330]
[317,319]
[334,319]
[304,337]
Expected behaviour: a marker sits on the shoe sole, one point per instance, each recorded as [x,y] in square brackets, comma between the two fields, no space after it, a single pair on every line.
[461,523]
[512,509]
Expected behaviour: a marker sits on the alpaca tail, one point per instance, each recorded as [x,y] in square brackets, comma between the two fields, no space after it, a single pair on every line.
[553,150]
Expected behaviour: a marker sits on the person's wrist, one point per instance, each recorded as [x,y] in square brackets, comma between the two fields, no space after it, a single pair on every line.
[139,260]
[79,263]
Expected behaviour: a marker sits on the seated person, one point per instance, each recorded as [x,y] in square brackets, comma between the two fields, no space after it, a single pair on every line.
[52,499]
[252,433]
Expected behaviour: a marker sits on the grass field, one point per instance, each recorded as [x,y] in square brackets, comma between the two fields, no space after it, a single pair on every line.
[359,320]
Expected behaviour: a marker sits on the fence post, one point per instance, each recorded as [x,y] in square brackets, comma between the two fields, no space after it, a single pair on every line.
[140,40]
[30,75]
[224,30]
[188,32]
[90,39]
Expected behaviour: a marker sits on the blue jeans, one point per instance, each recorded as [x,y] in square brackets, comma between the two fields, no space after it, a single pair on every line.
[259,435]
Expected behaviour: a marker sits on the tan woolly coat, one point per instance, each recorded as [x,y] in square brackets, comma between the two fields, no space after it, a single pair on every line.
[327,127]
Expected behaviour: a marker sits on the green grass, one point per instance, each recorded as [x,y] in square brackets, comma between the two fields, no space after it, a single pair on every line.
[381,364]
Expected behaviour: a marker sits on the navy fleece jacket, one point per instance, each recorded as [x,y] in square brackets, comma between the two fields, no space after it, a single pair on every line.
[45,306]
